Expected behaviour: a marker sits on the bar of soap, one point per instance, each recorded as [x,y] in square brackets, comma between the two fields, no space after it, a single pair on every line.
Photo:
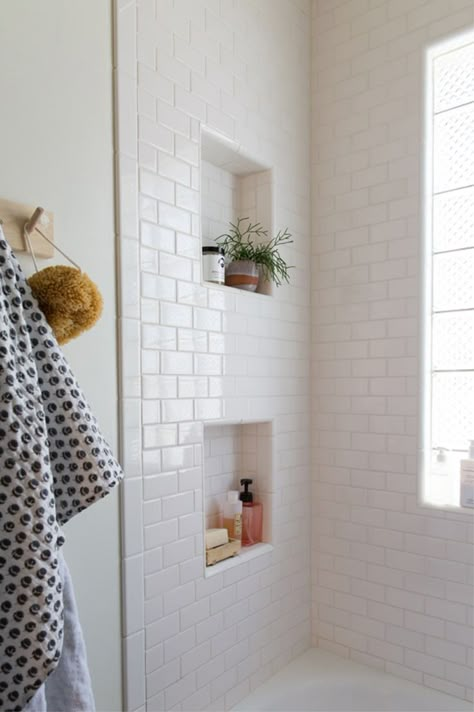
[216,537]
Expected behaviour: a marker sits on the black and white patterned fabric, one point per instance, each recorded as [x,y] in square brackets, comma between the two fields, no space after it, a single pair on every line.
[54,463]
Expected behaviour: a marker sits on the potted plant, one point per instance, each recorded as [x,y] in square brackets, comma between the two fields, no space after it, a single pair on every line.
[249,256]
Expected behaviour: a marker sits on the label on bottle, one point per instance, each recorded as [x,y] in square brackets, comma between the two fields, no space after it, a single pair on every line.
[467,483]
[238,526]
[213,267]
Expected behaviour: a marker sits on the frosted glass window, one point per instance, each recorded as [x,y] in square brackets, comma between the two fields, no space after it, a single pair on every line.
[453,219]
[448,347]
[453,341]
[453,396]
[453,166]
[453,283]
[454,82]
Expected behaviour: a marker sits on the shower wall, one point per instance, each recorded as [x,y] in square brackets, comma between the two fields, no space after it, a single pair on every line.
[195,354]
[392,581]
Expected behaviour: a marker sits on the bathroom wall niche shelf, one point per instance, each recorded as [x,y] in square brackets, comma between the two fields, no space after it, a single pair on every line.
[234,449]
[246,554]
[227,288]
[233,184]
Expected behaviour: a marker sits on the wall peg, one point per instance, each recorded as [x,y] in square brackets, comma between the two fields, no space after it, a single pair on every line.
[18,217]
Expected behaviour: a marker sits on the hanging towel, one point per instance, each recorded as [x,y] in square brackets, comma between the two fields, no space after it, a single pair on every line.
[54,463]
[68,688]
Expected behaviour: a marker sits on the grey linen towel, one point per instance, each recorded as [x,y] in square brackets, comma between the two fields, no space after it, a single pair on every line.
[68,688]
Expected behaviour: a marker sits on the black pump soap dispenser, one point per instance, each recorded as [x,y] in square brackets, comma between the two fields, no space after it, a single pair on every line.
[252,515]
[246,496]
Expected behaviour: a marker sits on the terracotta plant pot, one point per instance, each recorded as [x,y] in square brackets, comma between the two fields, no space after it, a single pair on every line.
[243,275]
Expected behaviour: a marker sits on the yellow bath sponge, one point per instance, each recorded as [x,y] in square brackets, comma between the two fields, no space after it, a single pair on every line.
[69,299]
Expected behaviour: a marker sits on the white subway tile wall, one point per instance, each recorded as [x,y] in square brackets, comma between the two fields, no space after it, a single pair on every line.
[192,354]
[392,581]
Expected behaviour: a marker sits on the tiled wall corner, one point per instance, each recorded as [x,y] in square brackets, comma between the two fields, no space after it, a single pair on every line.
[129,312]
[392,581]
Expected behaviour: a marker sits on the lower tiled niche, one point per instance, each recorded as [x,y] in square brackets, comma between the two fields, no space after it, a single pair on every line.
[233,450]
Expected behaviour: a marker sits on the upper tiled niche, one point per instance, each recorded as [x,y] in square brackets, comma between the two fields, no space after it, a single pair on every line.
[233,185]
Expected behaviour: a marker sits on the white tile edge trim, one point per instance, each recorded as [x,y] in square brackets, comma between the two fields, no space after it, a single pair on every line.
[247,554]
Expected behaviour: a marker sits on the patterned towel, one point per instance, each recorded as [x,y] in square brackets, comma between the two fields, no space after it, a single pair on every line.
[54,463]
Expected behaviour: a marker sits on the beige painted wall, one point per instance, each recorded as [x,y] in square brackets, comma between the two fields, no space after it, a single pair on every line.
[56,148]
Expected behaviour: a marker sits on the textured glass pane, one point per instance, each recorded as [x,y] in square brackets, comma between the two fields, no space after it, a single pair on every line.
[454,78]
[453,341]
[452,410]
[453,220]
[453,166]
[453,280]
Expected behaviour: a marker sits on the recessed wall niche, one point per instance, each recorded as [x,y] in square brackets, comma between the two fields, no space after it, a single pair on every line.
[232,185]
[233,450]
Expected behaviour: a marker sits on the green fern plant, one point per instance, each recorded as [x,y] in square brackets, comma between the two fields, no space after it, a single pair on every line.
[244,242]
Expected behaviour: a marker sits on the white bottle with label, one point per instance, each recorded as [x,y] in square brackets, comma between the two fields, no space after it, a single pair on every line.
[232,515]
[440,479]
[467,479]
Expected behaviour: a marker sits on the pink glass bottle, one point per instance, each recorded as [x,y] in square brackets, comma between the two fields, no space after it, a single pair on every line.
[252,516]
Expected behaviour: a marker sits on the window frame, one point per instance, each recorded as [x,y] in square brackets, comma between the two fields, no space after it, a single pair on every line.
[425,450]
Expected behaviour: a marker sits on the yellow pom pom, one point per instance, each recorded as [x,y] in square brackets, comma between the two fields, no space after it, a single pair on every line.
[69,299]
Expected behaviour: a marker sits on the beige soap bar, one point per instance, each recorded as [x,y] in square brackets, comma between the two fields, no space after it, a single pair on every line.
[216,537]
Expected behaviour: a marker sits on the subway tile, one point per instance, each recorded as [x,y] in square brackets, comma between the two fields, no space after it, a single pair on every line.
[156,186]
[176,363]
[158,337]
[156,287]
[192,340]
[154,135]
[174,266]
[174,411]
[174,170]
[174,218]
[161,533]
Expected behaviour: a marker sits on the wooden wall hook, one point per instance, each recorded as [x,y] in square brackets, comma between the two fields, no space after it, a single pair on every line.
[16,217]
[36,220]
